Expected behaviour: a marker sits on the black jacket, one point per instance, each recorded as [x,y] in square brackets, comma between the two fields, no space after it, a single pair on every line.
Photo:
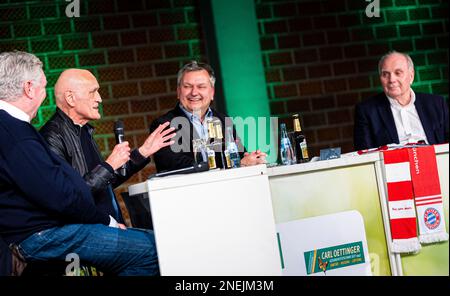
[63,137]
[375,126]
[166,159]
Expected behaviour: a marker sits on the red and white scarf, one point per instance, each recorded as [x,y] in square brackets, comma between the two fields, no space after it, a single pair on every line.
[413,184]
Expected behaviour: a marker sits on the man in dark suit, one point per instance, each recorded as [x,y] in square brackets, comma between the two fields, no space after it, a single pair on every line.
[399,115]
[195,92]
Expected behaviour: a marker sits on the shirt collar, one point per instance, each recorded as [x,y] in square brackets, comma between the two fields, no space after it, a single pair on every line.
[396,105]
[73,126]
[14,111]
[193,116]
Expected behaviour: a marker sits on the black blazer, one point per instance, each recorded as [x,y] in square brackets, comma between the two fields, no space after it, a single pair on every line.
[375,126]
[166,159]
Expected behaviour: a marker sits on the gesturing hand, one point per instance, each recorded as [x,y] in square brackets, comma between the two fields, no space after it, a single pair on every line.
[254,158]
[157,140]
[119,156]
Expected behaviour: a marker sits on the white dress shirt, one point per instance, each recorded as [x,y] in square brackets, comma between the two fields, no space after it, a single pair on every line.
[407,121]
[14,111]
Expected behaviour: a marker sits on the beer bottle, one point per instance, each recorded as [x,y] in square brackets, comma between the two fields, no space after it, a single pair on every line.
[219,142]
[210,145]
[301,148]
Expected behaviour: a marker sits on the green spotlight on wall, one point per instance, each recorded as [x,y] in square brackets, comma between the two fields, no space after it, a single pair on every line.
[234,49]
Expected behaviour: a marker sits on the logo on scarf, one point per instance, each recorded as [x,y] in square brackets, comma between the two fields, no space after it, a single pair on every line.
[432,218]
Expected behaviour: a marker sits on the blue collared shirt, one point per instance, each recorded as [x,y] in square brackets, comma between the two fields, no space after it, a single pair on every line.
[200,128]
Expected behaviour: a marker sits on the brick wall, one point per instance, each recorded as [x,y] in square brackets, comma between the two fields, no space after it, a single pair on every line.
[321,56]
[133,47]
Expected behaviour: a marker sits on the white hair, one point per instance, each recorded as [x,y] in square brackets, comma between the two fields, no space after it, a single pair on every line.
[16,68]
[196,66]
[406,56]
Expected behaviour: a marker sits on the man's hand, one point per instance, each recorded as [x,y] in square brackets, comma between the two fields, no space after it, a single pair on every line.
[254,158]
[157,140]
[115,224]
[119,156]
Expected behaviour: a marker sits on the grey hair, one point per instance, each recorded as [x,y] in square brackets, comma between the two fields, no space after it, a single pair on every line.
[196,66]
[406,56]
[17,67]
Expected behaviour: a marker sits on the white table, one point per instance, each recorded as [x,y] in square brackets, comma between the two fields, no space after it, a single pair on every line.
[214,223]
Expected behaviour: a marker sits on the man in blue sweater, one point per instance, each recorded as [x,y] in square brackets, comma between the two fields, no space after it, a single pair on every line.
[46,208]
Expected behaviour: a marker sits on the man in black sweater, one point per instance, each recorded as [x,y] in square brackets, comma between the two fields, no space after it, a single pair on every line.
[46,209]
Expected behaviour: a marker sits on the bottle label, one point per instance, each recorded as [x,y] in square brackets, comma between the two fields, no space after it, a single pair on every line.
[211,159]
[235,159]
[227,159]
[232,147]
[304,148]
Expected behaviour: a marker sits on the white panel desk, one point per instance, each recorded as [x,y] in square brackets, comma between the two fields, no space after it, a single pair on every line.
[214,223]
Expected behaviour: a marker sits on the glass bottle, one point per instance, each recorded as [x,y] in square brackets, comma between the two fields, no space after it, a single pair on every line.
[219,143]
[301,148]
[210,144]
[286,152]
[200,150]
[211,130]
[232,149]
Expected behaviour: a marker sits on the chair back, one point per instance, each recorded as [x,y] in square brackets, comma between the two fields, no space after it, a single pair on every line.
[138,207]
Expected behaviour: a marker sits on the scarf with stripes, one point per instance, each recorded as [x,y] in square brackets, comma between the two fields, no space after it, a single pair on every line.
[414,197]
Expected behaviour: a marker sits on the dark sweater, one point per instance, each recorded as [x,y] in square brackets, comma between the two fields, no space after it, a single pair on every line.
[38,190]
[166,159]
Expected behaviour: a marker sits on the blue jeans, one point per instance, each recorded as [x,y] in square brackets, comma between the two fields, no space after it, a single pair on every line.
[113,250]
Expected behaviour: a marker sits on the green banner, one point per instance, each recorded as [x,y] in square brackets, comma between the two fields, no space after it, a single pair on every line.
[321,260]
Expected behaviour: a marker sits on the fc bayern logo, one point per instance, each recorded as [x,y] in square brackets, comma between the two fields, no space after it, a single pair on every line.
[432,218]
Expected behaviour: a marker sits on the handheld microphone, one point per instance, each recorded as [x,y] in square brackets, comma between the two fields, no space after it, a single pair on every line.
[198,167]
[120,137]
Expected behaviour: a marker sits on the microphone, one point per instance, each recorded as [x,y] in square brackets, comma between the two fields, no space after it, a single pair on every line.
[198,167]
[120,137]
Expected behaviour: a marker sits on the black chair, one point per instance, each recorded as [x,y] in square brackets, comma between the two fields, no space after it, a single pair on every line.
[138,207]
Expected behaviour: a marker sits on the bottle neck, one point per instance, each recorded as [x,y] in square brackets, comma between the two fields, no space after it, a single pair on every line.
[297,127]
[230,137]
[218,129]
[211,130]
[283,132]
